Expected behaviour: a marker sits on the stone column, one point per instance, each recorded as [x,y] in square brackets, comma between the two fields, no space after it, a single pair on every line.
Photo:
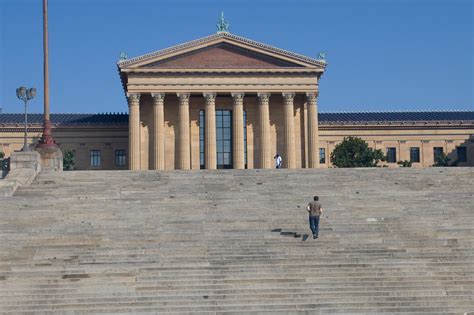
[134,131]
[158,145]
[238,131]
[313,138]
[210,154]
[184,157]
[264,118]
[289,154]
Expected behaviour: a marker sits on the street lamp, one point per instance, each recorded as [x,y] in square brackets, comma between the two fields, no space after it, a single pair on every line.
[25,95]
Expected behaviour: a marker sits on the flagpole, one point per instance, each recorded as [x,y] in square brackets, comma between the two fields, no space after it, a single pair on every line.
[47,139]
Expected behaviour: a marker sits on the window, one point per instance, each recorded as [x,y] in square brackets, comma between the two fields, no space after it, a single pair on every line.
[461,153]
[391,155]
[415,155]
[201,139]
[322,156]
[95,158]
[437,151]
[120,158]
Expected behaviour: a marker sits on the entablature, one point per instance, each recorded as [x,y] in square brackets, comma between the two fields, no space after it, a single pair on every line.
[223,71]
[222,88]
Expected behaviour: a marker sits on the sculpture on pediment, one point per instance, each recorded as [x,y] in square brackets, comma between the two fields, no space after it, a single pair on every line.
[223,25]
[322,56]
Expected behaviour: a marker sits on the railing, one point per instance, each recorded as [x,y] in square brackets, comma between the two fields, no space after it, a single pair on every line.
[5,166]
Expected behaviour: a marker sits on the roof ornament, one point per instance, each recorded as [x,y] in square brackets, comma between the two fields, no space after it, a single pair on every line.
[223,25]
[123,56]
[322,56]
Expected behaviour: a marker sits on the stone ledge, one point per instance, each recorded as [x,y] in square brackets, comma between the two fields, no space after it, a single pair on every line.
[7,188]
[26,160]
[24,167]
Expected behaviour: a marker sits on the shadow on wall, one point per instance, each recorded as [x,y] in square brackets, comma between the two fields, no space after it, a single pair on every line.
[35,140]
[4,165]
[456,154]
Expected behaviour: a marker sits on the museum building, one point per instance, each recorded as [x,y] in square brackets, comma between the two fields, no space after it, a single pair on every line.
[224,101]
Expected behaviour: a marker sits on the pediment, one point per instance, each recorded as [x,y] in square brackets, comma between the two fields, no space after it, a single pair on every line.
[222,56]
[221,51]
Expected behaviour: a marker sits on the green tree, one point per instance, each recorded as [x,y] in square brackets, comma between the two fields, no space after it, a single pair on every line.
[443,160]
[69,158]
[355,152]
[3,164]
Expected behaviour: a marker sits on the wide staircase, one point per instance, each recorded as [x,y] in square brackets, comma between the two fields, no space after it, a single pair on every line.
[391,241]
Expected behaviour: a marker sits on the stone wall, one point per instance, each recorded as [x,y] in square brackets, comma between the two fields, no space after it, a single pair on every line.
[108,139]
[24,167]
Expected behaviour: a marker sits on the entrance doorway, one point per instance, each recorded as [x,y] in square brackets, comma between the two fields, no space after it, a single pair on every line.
[224,139]
[224,142]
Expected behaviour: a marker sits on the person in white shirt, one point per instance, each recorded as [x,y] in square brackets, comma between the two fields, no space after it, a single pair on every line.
[278,160]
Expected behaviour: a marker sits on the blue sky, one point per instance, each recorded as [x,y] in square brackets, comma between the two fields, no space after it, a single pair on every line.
[383,55]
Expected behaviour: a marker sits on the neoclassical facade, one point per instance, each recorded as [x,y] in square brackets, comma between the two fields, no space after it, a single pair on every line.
[224,101]
[254,101]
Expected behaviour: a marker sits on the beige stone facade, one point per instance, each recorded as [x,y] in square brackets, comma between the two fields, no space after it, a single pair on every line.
[222,72]
[426,136]
[110,138]
[224,101]
[104,139]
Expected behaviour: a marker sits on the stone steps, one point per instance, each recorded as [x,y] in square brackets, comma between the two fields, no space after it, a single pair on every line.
[392,242]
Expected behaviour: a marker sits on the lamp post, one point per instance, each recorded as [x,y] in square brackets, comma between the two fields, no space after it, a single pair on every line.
[25,95]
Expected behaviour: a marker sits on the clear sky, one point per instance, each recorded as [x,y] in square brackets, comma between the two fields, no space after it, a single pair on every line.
[383,55]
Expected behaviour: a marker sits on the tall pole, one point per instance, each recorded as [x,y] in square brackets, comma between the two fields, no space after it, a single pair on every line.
[45,61]
[47,139]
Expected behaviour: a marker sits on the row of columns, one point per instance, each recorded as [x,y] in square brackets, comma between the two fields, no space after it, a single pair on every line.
[184,156]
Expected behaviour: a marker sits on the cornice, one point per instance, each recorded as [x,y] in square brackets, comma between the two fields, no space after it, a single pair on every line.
[223,70]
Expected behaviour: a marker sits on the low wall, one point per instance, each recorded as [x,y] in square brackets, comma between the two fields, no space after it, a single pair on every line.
[24,167]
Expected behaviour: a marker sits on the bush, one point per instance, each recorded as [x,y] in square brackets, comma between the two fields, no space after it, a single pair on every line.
[2,155]
[443,160]
[69,158]
[405,163]
[355,152]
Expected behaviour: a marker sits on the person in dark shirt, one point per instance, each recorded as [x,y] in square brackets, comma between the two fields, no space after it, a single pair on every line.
[315,210]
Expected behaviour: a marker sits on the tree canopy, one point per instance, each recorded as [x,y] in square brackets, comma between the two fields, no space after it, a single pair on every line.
[69,158]
[355,152]
[444,160]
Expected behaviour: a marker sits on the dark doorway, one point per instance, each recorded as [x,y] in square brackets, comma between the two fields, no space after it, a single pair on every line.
[224,139]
